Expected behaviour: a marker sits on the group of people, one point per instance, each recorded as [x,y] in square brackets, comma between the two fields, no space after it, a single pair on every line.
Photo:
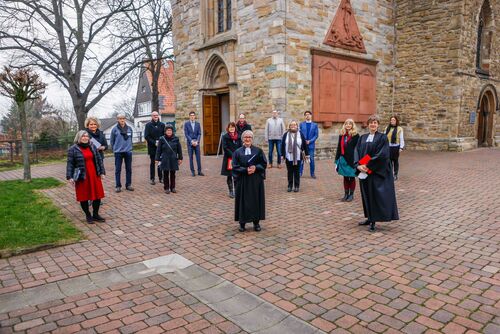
[373,158]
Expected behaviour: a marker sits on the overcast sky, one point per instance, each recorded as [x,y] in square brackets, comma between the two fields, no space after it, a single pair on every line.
[59,97]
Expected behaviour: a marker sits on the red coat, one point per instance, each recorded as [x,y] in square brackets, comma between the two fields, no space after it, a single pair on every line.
[89,189]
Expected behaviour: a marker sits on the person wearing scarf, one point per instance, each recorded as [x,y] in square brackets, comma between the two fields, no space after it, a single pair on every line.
[169,157]
[242,125]
[344,158]
[396,143]
[92,127]
[121,143]
[230,143]
[293,144]
[84,170]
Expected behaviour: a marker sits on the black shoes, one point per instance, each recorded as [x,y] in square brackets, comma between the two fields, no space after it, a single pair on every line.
[167,191]
[372,227]
[313,177]
[201,174]
[89,219]
[242,227]
[395,177]
[129,188]
[289,189]
[152,182]
[193,174]
[98,218]
[346,194]
[256,227]
[350,196]
[366,222]
[173,190]
[118,189]
[296,189]
[231,194]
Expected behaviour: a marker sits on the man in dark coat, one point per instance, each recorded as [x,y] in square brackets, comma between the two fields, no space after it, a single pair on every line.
[242,125]
[371,159]
[152,133]
[249,171]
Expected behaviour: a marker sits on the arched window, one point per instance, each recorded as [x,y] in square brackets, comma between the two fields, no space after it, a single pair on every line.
[217,17]
[484,39]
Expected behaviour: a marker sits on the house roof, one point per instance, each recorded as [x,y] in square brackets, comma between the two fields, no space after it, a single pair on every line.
[165,87]
[106,123]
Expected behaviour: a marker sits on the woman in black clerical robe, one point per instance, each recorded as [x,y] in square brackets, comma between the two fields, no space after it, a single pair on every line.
[249,172]
[371,159]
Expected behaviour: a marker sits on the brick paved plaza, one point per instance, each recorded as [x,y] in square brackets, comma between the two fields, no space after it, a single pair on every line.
[311,268]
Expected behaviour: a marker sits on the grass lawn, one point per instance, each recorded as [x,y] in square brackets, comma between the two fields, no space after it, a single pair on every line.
[29,219]
[6,165]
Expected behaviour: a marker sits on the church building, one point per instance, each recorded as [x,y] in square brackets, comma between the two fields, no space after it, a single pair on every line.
[434,64]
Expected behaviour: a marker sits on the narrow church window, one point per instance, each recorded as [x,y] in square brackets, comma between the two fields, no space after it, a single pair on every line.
[229,18]
[484,39]
[220,15]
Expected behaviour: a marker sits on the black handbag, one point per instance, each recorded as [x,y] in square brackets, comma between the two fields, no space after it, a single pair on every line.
[78,174]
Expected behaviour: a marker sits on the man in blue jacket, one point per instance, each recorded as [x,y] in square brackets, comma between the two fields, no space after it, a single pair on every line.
[121,142]
[310,131]
[192,132]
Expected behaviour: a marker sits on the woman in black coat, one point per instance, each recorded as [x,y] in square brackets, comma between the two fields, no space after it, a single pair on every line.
[371,159]
[169,155]
[249,171]
[344,158]
[230,143]
[97,137]
[293,148]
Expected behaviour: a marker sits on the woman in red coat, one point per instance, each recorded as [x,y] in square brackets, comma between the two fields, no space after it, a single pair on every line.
[85,169]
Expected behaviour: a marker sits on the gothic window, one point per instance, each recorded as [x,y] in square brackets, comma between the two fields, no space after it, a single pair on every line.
[229,16]
[484,39]
[220,15]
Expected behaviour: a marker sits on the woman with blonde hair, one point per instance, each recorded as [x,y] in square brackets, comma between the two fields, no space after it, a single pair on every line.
[344,158]
[97,137]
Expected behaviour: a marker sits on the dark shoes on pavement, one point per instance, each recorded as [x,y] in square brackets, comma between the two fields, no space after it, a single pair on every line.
[296,189]
[313,176]
[167,191]
[289,189]
[152,182]
[129,188]
[242,227]
[98,218]
[173,190]
[89,219]
[256,227]
[193,174]
[201,174]
[118,189]
[367,222]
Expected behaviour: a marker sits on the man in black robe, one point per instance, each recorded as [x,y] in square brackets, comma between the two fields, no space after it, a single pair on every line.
[371,159]
[249,172]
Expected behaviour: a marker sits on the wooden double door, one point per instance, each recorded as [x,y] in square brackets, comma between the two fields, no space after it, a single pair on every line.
[485,121]
[215,113]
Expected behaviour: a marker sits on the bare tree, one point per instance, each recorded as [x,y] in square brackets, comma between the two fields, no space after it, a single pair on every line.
[22,85]
[76,42]
[126,107]
[153,16]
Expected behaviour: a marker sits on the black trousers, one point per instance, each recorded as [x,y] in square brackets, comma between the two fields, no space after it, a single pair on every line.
[168,179]
[152,163]
[394,156]
[293,172]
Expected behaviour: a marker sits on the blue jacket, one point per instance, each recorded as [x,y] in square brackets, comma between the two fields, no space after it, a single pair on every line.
[118,143]
[189,134]
[312,135]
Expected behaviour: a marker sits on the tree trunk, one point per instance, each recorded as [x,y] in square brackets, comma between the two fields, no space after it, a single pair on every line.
[155,101]
[81,115]
[24,138]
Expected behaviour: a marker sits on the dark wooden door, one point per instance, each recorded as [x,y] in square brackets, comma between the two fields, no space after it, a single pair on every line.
[211,124]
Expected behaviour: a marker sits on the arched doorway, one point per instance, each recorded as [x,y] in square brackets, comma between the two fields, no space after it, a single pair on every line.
[486,110]
[216,103]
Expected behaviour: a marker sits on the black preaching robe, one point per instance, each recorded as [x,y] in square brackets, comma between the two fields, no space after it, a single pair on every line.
[249,204]
[377,190]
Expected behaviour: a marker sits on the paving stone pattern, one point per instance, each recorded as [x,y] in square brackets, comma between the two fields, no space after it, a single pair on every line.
[434,271]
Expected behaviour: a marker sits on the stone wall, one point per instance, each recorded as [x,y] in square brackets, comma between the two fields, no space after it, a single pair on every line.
[307,25]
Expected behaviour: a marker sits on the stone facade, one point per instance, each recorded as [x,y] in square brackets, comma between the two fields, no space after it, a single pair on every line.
[425,53]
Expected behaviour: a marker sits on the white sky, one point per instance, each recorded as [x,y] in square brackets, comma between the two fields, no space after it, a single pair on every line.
[59,97]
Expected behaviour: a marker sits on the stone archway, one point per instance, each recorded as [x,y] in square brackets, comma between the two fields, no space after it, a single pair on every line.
[487,106]
[216,102]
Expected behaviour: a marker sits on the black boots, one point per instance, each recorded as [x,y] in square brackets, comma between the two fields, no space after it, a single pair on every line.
[256,226]
[242,227]
[231,188]
[346,194]
[289,189]
[372,226]
[368,222]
